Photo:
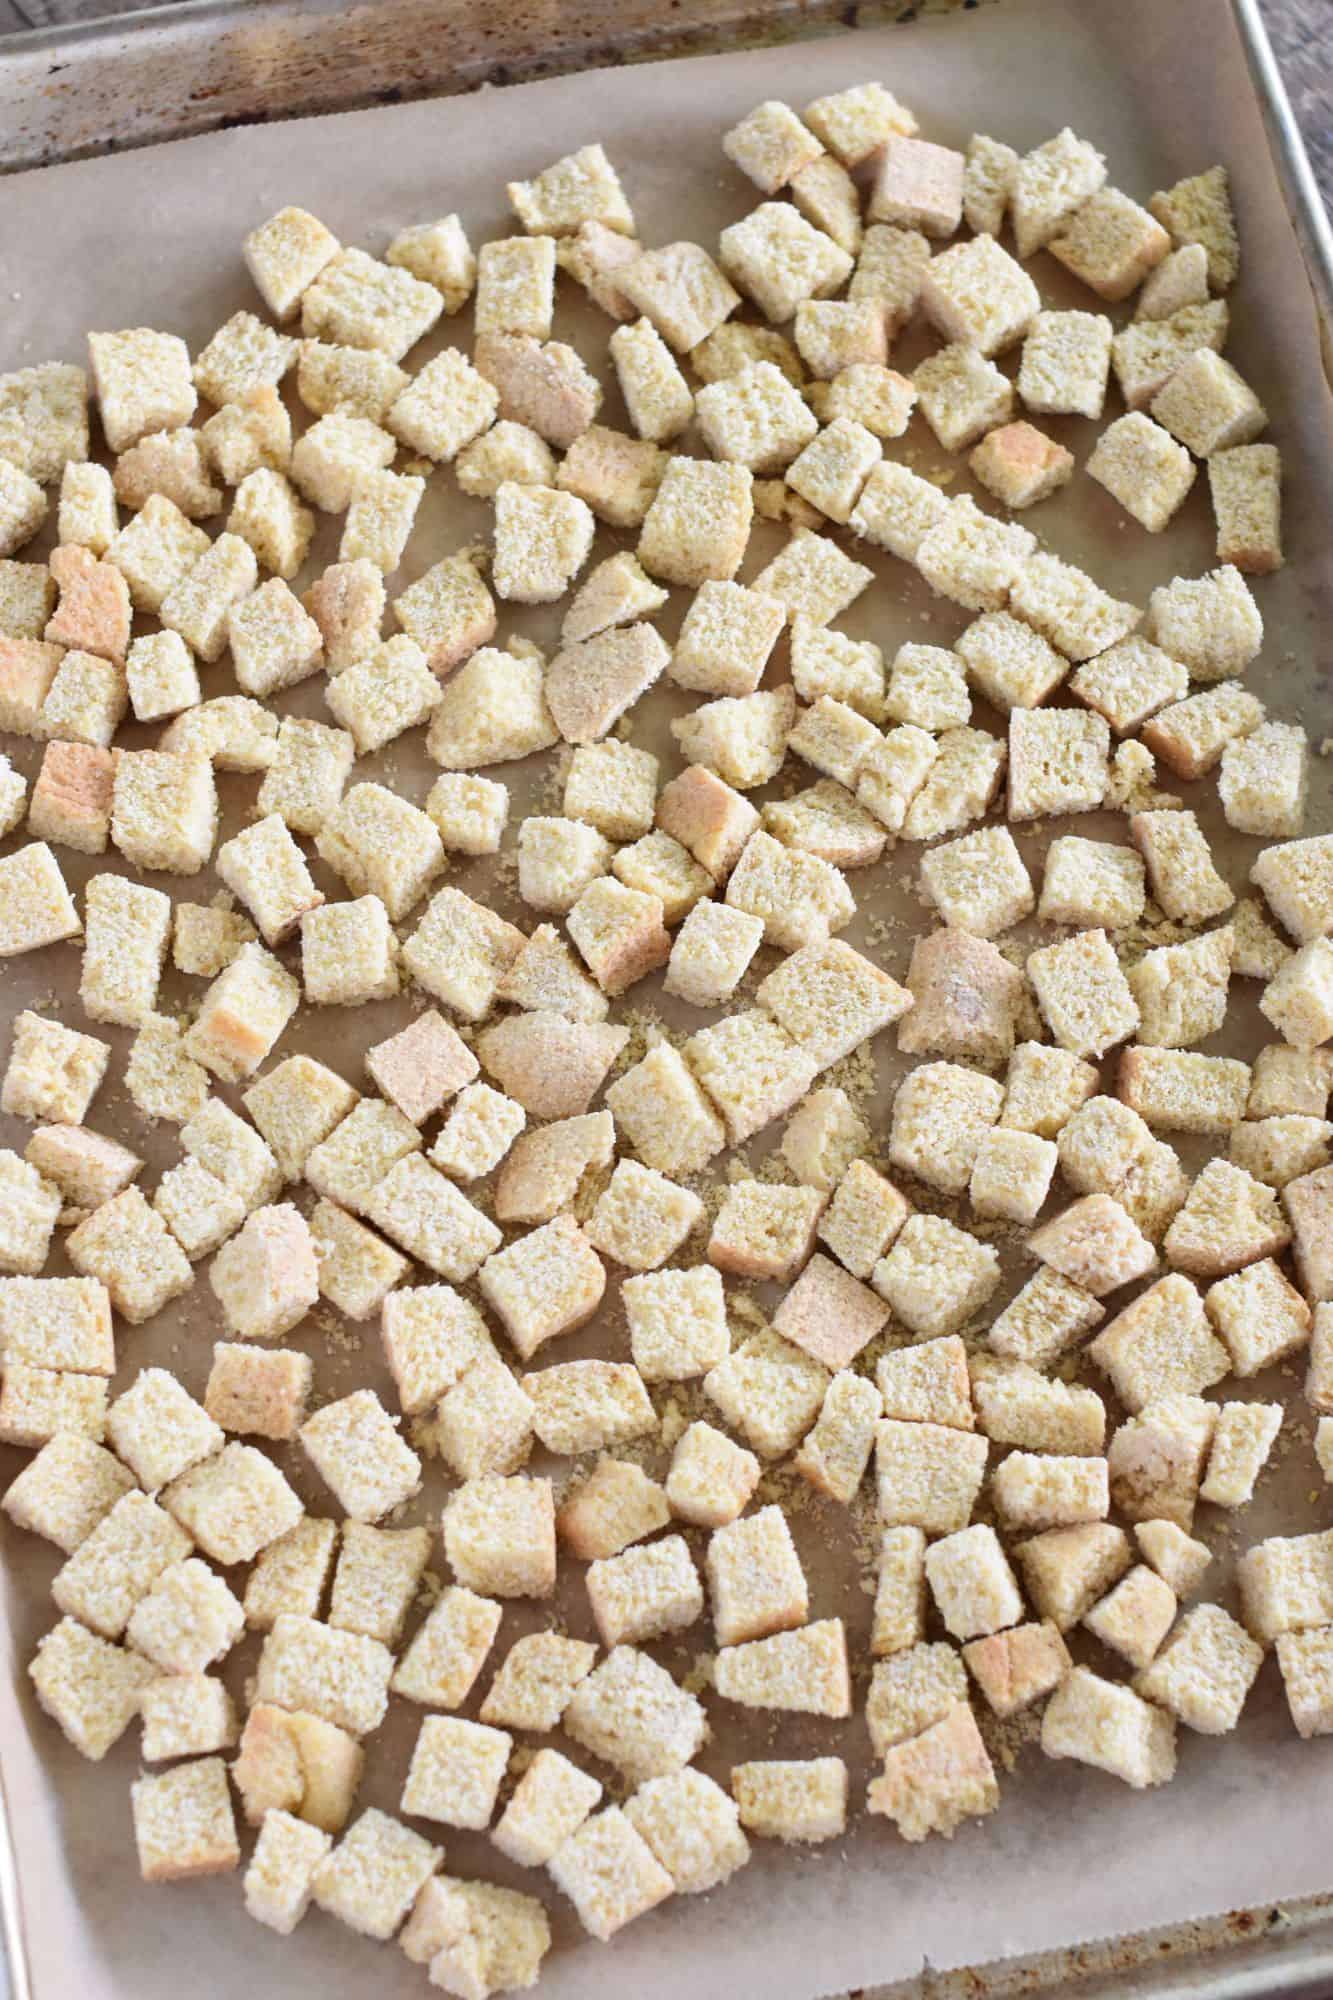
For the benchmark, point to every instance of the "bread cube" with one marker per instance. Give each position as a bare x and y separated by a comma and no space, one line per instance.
1211,623
940,1113
834,1455
1051,184
183,1823
642,1218
1198,210
1204,1671
897,509
1260,1316
67,1490
53,1072
85,701
1297,999
755,417
822,1139
769,1390
1065,363
765,1230
1096,1722
185,1715
615,1505
936,1779
288,1579
972,1584
962,395
1016,1668
187,1620
804,1672
142,382
257,1394
1246,487
829,1314
779,260
127,1245
928,1475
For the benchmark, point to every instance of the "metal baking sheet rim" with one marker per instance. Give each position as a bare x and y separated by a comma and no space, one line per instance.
1285,1953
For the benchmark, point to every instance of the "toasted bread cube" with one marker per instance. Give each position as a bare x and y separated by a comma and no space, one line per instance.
724,643
432,1336
708,816
897,509
833,335
1204,1671
32,1209
1011,1175
478,1132
1057,762
856,123
928,1475
779,260
862,1219
1177,1559
923,788
532,1687
477,1939
1257,950
711,1478
44,419
1161,1344
1141,467
1289,1081
456,1770
499,1537
1066,1570
1020,465
1280,1150
372,1878
1286,1585
1156,1459
1263,779
698,522
1110,243
1246,486
13,796
1297,999
1208,405
940,1113
28,589
267,514
84,1168
68,1490
1065,364
768,1390
962,395
557,860
234,1503
142,382
1016,1668
1211,623
918,186
553,1066
187,1620
354,1446
1037,1491
542,384
771,145
1241,1443
376,1578
1304,1660
85,701
222,1142
185,1715
1228,1220
978,883
1096,1722
1198,210
1085,997
162,677
798,897
266,1278
751,1068
272,643
935,1276
711,952
289,1579
357,1268
1297,880
341,1677
834,1455
1068,608
550,1802
631,1713
1095,1244
1180,280
589,686
609,1873
680,291
544,1284
356,301
642,1218
645,1593
257,1394
183,1823
692,1827
614,592
160,1431
1306,1201
125,943
822,1138
27,669
1100,1143
155,551
348,954
898,1621
936,1779
829,1314
974,1588
38,1404
755,417
1129,683
765,1230
118,1563
743,739
382,846
588,1405
834,739
832,470
285,256
616,1504
280,1877
71,797
755,1580
93,614
1260,1316
803,1671
127,1245
664,1114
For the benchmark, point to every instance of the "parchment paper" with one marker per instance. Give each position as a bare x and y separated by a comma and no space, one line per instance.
152,238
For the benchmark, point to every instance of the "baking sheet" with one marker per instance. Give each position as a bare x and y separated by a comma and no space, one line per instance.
151,238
